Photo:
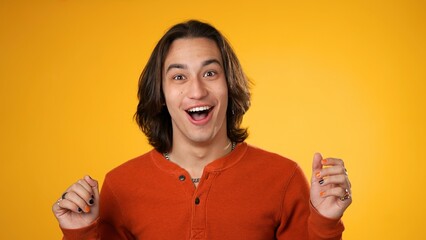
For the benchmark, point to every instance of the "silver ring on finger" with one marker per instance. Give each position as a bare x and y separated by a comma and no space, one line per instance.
346,196
59,201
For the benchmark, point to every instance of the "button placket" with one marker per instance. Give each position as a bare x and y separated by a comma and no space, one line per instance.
199,200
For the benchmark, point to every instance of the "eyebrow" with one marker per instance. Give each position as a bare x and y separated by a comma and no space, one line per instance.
184,66
211,61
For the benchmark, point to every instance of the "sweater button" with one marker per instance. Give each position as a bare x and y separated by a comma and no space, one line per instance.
182,177
197,201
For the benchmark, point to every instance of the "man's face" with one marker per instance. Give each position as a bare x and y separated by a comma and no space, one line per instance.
195,90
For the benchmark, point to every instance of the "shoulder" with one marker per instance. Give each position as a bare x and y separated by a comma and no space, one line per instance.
133,167
267,164
278,168
265,157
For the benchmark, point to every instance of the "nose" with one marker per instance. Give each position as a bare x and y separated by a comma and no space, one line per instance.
197,89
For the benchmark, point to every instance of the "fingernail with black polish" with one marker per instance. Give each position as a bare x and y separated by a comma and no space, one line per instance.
321,181
80,210
91,201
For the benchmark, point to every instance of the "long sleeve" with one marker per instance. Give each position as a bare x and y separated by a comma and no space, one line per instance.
111,218
299,218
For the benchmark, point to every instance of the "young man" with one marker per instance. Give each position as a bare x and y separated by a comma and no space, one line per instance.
201,180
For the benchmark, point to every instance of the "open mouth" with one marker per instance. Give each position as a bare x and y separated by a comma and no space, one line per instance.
199,113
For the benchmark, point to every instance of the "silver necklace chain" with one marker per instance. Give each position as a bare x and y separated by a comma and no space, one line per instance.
195,180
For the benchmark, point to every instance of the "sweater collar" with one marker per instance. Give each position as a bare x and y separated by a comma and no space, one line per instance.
219,164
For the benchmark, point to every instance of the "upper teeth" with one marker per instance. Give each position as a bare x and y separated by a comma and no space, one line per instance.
198,109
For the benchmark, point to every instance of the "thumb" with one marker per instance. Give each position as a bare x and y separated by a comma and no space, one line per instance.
316,166
94,184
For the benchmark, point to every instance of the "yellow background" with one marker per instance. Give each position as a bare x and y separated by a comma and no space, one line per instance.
343,78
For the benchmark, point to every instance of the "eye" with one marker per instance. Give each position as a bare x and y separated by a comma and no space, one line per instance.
209,74
178,77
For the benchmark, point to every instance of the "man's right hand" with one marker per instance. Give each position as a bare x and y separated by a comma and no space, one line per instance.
78,206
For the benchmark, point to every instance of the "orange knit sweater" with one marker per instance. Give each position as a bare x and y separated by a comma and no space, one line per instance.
248,194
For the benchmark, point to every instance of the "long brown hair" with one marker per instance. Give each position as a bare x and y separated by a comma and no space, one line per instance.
152,115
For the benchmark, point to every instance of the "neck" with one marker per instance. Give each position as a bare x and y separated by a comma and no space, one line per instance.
195,157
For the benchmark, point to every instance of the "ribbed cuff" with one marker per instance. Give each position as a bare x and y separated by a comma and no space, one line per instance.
86,233
323,227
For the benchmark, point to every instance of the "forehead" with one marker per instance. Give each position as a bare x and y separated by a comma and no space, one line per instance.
192,49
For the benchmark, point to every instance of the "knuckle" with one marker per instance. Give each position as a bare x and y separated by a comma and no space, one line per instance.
337,179
341,179
73,187
70,195
75,198
83,183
